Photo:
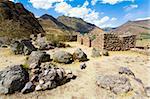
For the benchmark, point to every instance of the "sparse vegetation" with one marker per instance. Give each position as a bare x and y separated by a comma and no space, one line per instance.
11,29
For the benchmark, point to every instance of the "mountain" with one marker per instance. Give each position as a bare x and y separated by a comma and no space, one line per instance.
52,26
135,27
16,21
78,24
108,29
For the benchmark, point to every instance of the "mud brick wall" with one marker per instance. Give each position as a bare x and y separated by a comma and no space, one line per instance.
80,38
86,41
98,42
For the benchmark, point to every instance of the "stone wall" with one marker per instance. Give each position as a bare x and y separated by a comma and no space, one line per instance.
110,42
128,41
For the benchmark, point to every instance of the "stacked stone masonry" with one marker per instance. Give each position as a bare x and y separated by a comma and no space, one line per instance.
108,41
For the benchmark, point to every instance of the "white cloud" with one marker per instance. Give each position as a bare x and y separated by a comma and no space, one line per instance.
112,2
83,12
104,19
44,4
93,2
142,18
130,7
113,19
80,11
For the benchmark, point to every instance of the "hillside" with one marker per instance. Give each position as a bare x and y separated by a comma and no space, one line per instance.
135,27
78,24
52,26
16,21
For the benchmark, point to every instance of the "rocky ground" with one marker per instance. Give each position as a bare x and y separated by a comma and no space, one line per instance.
84,86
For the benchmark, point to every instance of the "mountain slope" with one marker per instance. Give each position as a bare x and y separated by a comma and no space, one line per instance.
134,27
52,26
19,20
78,24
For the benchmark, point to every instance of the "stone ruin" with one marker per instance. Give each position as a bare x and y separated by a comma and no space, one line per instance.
108,41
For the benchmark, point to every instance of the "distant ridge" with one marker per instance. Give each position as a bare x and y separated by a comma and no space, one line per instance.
135,27
78,24
51,25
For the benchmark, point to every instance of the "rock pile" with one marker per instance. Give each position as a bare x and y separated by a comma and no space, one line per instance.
116,84
47,76
120,84
41,75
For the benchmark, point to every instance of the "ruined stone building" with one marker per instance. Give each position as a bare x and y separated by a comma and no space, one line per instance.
108,41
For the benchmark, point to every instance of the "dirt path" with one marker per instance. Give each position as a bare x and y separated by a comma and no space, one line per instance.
7,58
84,87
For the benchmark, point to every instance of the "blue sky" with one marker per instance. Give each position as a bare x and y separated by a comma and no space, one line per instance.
103,13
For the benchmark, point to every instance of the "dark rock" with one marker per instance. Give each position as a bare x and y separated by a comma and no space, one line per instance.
82,66
46,46
17,47
126,70
79,55
105,53
4,46
24,47
29,87
62,57
28,47
12,79
34,78
95,52
38,57
116,84
147,91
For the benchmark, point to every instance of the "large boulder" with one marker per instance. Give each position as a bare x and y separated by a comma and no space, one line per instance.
12,79
28,47
22,47
115,83
62,57
79,55
17,47
38,57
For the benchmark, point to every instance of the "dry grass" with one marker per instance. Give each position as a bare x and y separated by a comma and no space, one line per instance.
143,42
84,86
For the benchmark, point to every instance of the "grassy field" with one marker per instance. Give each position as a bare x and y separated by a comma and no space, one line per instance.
143,42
